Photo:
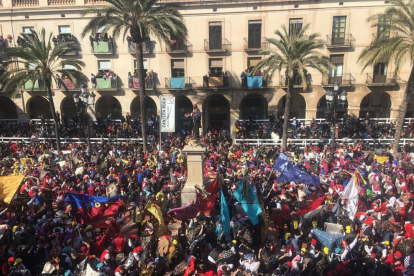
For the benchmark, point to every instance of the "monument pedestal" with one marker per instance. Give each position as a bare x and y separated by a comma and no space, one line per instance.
194,151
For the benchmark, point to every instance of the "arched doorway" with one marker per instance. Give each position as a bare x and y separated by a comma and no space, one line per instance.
376,104
253,107
106,105
68,107
150,106
341,110
183,106
298,106
8,109
39,106
216,111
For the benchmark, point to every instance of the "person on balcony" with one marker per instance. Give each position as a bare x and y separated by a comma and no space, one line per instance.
243,77
130,80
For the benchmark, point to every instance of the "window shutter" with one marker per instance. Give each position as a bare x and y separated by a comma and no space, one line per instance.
28,30
68,67
101,29
216,63
145,64
217,23
337,59
178,64
255,22
32,66
253,62
104,65
64,30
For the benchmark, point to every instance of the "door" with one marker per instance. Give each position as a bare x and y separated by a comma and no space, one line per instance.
380,73
215,35
255,34
338,30
335,74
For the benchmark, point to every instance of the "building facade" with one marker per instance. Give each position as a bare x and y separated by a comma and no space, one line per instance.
224,40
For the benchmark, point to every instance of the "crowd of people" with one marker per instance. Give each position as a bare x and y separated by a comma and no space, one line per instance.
64,38
303,229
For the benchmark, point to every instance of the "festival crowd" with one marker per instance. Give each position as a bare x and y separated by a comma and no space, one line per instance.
301,227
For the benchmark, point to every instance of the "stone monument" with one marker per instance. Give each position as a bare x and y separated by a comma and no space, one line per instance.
194,151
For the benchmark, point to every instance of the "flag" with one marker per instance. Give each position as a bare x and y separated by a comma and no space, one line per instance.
292,173
248,199
206,204
185,212
156,211
87,209
8,186
310,207
351,193
225,215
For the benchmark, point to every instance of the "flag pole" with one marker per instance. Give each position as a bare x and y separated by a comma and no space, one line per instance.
159,125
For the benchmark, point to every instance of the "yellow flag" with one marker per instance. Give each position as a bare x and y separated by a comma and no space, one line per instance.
381,159
156,211
26,161
8,186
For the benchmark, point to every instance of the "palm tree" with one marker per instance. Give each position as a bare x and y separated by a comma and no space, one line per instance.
294,53
397,20
141,19
37,60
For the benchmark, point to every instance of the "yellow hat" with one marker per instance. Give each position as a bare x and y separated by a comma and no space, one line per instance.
15,228
295,224
234,241
314,223
98,230
89,227
287,235
303,250
238,232
365,239
175,242
18,261
348,229
386,242
326,250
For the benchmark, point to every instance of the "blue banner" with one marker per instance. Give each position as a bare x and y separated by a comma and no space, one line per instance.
225,215
248,199
254,81
292,173
177,82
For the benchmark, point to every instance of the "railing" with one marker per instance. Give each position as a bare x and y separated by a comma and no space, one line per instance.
382,80
108,84
28,140
253,82
25,3
222,45
39,85
178,47
250,45
344,80
181,83
61,2
284,82
102,47
99,2
347,41
146,47
216,82
134,83
70,53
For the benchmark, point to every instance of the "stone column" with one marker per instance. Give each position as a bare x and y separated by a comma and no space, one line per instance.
194,152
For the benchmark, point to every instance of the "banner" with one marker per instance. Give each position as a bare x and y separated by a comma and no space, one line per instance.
248,200
351,193
254,81
178,83
167,114
69,84
292,173
381,159
185,213
225,215
8,186
101,47
103,83
156,211
215,81
29,85
207,203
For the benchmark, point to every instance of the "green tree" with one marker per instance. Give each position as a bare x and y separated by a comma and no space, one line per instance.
394,44
295,53
38,60
141,19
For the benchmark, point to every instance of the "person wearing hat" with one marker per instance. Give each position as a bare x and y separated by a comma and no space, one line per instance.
6,267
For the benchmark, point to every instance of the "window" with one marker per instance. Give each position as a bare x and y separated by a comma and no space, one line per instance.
177,68
145,67
32,66
338,29
214,29
295,25
382,28
104,65
216,67
338,61
28,30
100,30
380,73
253,61
64,29
255,34
68,67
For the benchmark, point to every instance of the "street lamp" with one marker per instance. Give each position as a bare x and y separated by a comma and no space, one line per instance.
82,103
332,99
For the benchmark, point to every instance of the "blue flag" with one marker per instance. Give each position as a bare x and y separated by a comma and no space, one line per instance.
248,200
292,173
225,215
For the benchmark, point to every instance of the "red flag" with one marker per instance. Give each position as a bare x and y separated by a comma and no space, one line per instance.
310,207
206,204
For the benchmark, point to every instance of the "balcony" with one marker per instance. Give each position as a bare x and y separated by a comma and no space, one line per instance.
179,48
39,85
25,3
102,47
61,2
146,47
181,83
134,83
216,82
253,82
284,82
254,46
382,80
347,41
63,42
222,46
108,84
95,2
69,85
346,80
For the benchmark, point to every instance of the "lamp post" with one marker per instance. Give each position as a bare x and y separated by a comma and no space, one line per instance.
82,103
332,100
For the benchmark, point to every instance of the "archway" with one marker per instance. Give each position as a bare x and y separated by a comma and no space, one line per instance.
376,104
298,106
39,106
150,106
68,107
106,105
216,111
183,106
8,109
410,108
341,110
253,107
